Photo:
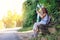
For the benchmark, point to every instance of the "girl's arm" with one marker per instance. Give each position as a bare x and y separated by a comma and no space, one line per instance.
43,15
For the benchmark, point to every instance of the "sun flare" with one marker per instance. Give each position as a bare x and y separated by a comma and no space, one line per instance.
10,13
12,5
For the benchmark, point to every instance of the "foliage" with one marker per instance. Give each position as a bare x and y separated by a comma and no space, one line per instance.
12,20
1,25
29,14
25,29
29,7
52,7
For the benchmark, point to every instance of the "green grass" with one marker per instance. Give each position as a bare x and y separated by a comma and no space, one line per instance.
25,29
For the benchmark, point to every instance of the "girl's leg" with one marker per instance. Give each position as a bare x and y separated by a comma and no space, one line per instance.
35,29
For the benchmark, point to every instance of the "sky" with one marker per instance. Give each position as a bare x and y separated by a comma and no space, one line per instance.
13,5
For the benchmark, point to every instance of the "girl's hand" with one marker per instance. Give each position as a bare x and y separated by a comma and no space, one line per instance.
37,12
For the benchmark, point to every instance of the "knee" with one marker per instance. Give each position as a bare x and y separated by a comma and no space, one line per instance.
35,23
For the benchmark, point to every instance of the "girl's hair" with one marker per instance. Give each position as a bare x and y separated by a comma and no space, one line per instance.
44,10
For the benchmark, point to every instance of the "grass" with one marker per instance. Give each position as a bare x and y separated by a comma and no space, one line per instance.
53,36
48,37
25,29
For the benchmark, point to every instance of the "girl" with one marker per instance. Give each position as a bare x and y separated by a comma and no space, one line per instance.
45,19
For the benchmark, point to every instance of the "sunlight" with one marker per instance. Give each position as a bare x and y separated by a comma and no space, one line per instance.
13,5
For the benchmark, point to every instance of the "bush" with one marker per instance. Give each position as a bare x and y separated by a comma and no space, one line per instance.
29,14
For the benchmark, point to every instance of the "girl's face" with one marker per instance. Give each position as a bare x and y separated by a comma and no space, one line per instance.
44,10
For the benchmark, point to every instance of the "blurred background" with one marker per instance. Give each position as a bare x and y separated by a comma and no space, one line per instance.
11,13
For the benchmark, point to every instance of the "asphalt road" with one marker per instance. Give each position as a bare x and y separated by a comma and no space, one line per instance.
9,36
16,35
